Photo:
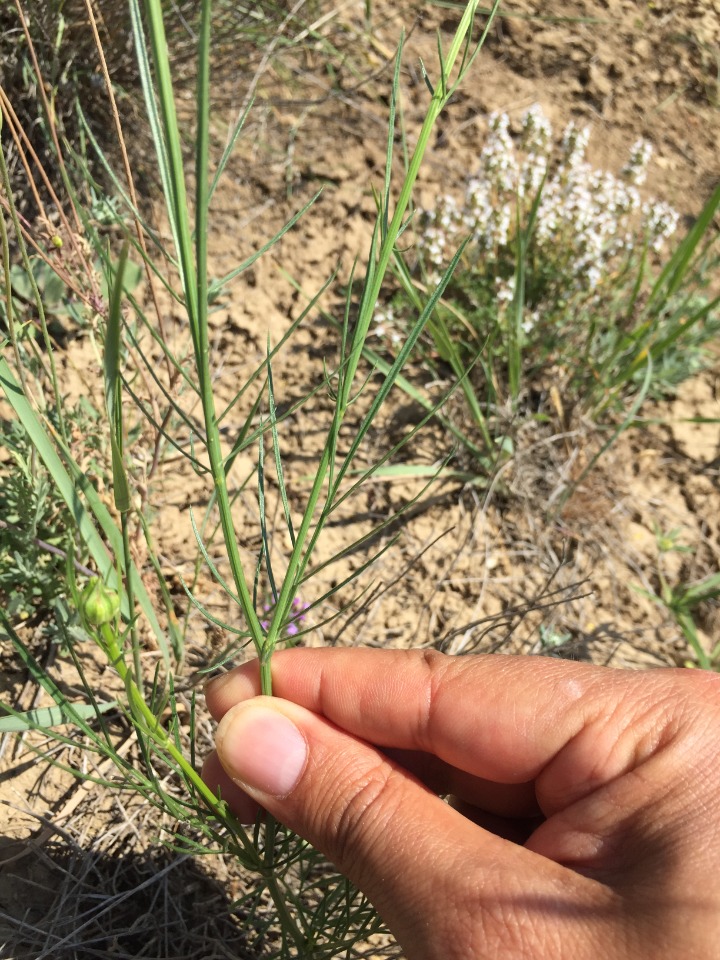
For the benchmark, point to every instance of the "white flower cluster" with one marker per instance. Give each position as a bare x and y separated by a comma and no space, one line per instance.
636,168
385,325
586,217
661,221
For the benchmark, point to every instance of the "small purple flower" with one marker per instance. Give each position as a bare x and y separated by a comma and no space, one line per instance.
297,616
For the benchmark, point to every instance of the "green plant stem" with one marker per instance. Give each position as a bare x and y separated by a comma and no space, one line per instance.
193,271
439,100
202,344
75,489
437,104
149,724
134,641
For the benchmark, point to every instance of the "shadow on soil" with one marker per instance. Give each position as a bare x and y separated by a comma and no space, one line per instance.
60,902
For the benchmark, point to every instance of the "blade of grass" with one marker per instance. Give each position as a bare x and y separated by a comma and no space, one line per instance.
674,271
280,475
523,237
44,718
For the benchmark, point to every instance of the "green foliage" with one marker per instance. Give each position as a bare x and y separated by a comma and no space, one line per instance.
315,913
565,280
170,389
64,309
681,600
34,526
71,92
550,638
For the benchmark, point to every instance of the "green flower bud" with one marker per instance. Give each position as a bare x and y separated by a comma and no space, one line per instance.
99,603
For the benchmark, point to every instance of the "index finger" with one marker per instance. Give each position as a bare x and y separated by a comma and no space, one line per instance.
502,718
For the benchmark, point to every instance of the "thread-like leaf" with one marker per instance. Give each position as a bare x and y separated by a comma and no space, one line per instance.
113,386
276,450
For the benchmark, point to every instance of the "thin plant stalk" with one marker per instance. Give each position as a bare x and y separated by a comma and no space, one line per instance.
439,99
193,273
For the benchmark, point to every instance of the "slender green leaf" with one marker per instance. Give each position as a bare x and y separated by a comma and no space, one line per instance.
399,363
209,561
312,302
394,94
113,386
223,281
675,270
230,146
153,114
48,717
448,350
263,520
211,617
280,475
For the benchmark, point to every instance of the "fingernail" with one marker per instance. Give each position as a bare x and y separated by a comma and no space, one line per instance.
262,749
214,683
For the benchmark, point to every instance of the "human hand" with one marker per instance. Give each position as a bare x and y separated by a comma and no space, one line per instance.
586,815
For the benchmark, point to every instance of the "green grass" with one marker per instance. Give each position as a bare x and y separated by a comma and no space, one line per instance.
54,38
571,285
96,263
681,599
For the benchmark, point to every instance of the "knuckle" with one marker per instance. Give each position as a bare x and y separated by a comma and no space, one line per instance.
360,805
436,666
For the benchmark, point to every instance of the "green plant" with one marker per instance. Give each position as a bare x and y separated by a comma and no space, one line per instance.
316,915
32,528
564,279
35,528
682,599
550,638
65,311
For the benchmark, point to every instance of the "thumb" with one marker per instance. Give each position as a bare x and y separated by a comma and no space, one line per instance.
420,862
379,826
343,795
